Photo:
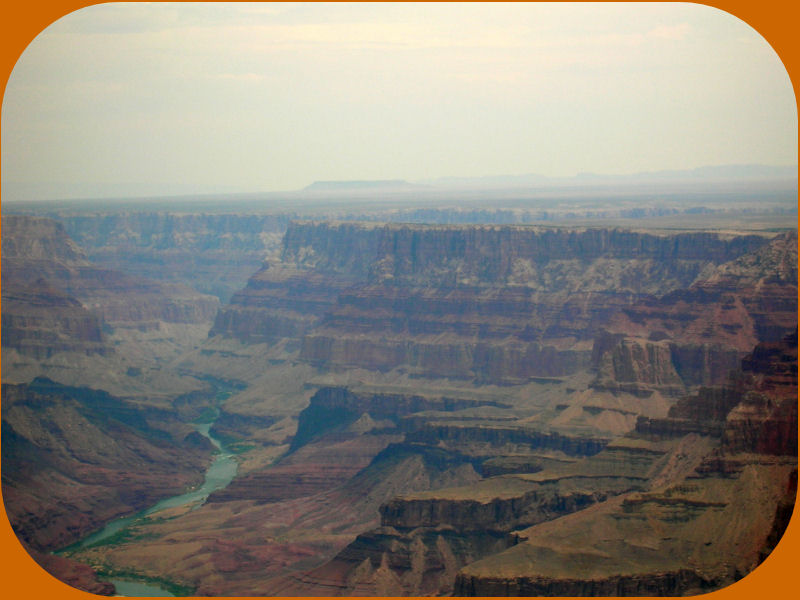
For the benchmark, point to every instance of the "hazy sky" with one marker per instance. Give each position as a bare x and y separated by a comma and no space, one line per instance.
255,97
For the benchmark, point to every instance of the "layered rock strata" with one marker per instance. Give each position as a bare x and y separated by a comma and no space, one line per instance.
493,304
39,250
698,335
426,537
212,253
39,321
585,524
335,408
340,433
422,399
674,536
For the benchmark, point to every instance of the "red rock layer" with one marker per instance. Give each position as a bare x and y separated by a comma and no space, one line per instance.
279,301
701,333
39,321
491,303
765,421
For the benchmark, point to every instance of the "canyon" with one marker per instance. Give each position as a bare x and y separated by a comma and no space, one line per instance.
431,408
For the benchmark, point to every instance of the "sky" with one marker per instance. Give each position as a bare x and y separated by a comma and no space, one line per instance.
163,98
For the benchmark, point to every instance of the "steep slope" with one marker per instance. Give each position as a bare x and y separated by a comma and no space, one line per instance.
36,248
39,320
212,253
416,398
698,335
287,297
686,532
73,458
513,326
67,319
489,303
506,304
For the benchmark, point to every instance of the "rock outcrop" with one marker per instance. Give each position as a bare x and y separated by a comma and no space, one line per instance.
335,408
698,335
39,320
279,301
674,535
425,409
65,318
765,421
569,334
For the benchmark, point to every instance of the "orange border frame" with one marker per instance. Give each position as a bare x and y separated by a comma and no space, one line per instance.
775,20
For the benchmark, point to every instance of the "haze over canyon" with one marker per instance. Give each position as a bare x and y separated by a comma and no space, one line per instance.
471,388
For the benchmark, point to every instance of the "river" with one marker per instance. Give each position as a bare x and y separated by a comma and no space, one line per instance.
219,474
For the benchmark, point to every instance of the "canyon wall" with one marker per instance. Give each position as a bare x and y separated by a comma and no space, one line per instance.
68,319
212,253
493,304
414,405
700,333
38,249
39,321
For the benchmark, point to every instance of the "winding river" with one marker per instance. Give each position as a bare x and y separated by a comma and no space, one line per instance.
219,474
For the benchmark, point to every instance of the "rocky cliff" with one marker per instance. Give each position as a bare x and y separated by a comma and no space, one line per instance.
39,318
211,252
38,249
425,409
335,408
39,321
279,301
698,335
343,431
585,526
65,318
502,304
749,460
425,537
765,421
490,303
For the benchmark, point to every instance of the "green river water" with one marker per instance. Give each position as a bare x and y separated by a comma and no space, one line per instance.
219,474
